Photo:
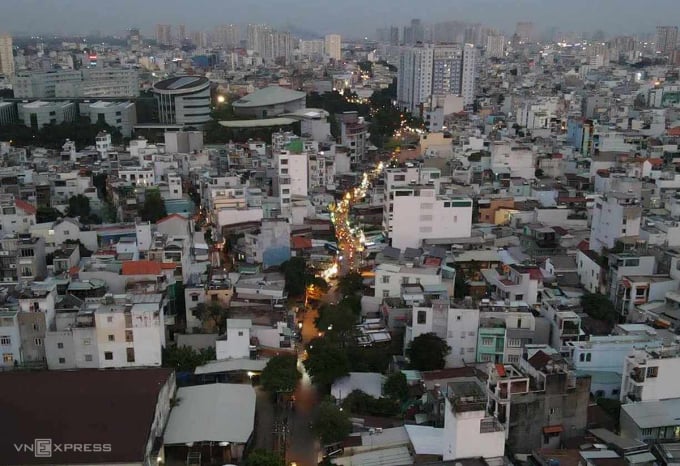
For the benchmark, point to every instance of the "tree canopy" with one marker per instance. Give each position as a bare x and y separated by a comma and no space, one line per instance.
213,316
337,321
326,362
351,283
396,387
364,404
79,206
427,352
261,457
599,307
154,208
331,424
280,374
185,358
47,214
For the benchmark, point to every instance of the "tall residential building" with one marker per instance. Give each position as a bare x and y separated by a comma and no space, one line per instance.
228,35
6,55
312,48
666,39
334,46
181,34
278,47
428,70
524,31
164,34
257,37
394,35
495,46
467,80
134,40
414,33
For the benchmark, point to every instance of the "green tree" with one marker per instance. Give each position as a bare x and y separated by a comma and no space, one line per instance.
396,387
47,214
154,207
599,307
280,374
326,362
351,283
295,272
364,404
78,206
427,352
331,424
262,457
213,316
338,322
185,358
352,302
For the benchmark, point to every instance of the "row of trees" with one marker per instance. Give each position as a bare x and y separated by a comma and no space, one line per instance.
53,136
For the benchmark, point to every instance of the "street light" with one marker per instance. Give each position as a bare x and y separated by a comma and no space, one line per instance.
220,99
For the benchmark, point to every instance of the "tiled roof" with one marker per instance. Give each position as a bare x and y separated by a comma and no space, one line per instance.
300,242
141,268
170,217
25,206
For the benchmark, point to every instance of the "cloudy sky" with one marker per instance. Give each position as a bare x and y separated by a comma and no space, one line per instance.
354,18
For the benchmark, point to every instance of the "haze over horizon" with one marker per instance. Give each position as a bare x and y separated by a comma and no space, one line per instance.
351,18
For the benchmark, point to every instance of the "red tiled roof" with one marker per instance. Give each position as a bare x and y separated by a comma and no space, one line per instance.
500,368
539,360
656,162
170,217
168,265
583,245
604,173
25,206
141,268
300,242
535,274
560,231
674,131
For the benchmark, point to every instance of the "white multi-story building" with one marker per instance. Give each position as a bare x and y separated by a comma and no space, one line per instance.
469,430
6,56
509,159
312,48
419,213
354,135
121,331
615,216
17,216
458,326
333,46
495,46
88,82
389,278
10,339
39,114
183,100
119,115
414,84
651,374
293,178
235,343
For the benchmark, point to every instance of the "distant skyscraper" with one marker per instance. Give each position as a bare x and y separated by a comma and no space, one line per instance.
134,40
525,31
334,46
418,31
256,37
6,55
427,71
394,35
666,39
181,33
495,46
164,34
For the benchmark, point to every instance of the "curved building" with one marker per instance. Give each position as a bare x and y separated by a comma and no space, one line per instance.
183,100
270,102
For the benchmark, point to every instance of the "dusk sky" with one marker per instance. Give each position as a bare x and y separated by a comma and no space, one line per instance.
353,18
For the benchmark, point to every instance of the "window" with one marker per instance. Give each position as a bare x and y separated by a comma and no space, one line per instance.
470,350
5,340
462,351
7,358
214,297
130,353
513,358
554,411
653,371
588,355
462,334
519,297
108,355
457,317
128,336
422,317
87,342
60,345
582,357
240,333
109,319
38,341
284,161
386,279
284,171
514,343
112,338
386,293
88,357
486,341
62,360
399,177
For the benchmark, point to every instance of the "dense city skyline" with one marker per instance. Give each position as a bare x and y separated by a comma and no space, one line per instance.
39,16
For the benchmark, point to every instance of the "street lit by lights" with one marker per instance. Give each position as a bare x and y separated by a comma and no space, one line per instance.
251,374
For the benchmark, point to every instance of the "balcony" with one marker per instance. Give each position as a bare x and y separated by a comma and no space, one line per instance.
570,328
638,375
